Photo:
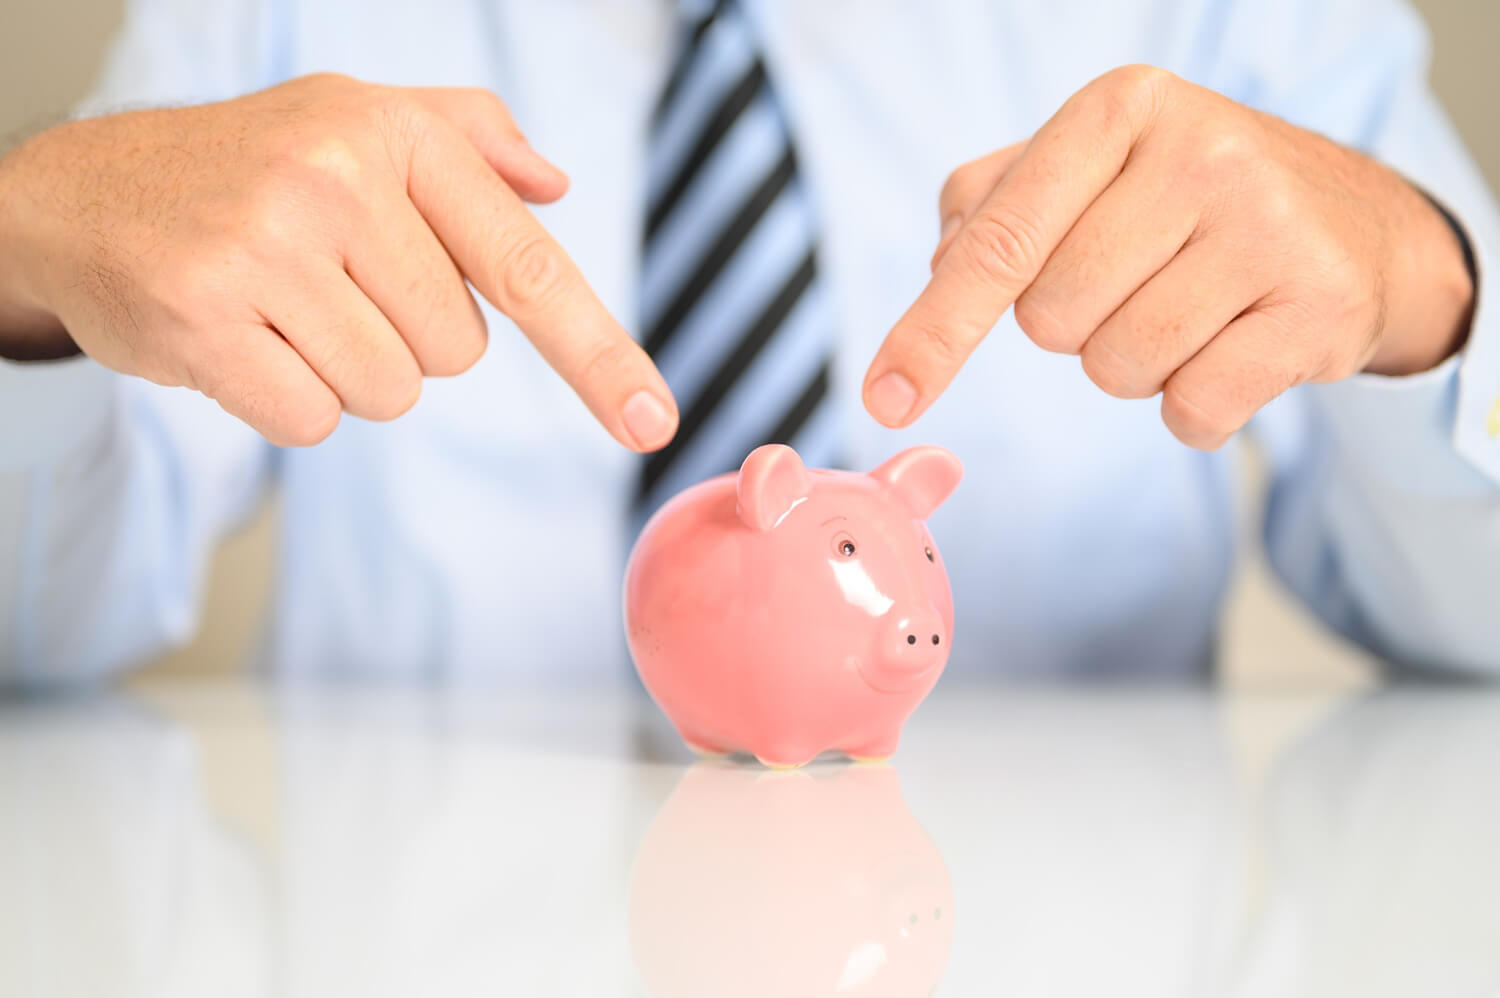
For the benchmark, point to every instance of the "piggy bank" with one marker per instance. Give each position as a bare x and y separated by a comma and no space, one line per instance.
752,884
787,612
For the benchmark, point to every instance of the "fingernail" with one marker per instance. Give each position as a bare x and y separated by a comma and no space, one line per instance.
649,422
892,398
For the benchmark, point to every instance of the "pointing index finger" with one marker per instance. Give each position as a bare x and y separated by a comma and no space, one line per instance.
515,263
1004,244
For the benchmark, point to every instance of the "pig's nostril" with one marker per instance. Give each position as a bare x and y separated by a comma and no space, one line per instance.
934,639
911,639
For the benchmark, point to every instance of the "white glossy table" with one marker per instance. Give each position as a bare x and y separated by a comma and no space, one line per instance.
240,839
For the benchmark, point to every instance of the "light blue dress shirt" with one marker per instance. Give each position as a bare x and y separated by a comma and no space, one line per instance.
483,534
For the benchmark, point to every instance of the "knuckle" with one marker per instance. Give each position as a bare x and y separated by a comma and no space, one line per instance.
286,417
270,232
1352,290
1113,372
494,108
308,421
327,80
606,363
394,101
397,395
380,385
1193,421
940,344
1225,150
1002,247
951,187
1044,327
460,351
449,335
1127,95
1278,209
466,352
533,276
399,118
323,162
1138,79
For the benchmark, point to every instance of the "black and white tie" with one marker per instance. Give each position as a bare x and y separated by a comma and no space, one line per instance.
732,307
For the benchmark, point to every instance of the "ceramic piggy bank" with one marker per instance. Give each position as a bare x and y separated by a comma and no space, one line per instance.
786,612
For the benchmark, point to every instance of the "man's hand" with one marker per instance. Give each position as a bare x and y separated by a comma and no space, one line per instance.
304,250
1183,244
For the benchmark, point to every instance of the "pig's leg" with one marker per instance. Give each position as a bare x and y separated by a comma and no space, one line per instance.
875,750
705,748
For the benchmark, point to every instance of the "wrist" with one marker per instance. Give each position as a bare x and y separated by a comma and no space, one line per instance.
1430,292
29,326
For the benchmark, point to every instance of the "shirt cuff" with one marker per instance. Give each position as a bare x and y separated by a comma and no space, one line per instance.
1476,428
49,408
1437,432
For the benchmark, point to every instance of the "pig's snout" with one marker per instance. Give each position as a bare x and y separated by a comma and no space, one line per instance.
921,634
913,645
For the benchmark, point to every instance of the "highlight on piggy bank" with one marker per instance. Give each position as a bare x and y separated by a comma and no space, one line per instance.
819,881
787,612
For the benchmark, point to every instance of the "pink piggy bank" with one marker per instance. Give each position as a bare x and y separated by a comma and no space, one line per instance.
787,612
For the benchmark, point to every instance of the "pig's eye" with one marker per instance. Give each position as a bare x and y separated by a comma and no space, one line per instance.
929,553
843,545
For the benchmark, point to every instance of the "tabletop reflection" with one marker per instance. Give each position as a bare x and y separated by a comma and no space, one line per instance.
812,882
246,840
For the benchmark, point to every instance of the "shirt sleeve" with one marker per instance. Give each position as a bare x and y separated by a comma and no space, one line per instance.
1384,513
114,491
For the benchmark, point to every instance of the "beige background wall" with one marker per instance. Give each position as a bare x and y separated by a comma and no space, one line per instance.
50,51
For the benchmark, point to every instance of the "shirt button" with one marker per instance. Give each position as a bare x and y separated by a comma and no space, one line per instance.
1493,423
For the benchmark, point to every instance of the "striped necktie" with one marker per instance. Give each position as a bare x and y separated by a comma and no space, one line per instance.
732,307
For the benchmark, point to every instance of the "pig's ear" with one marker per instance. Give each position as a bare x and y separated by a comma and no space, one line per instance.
772,481
921,477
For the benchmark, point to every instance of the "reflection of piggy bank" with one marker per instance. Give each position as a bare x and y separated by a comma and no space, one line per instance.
753,883
786,612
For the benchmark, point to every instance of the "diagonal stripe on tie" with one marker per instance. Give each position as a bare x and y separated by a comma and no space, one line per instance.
719,122
801,410
685,66
746,350
720,253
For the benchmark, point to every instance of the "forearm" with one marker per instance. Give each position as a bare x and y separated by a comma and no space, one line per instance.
29,328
